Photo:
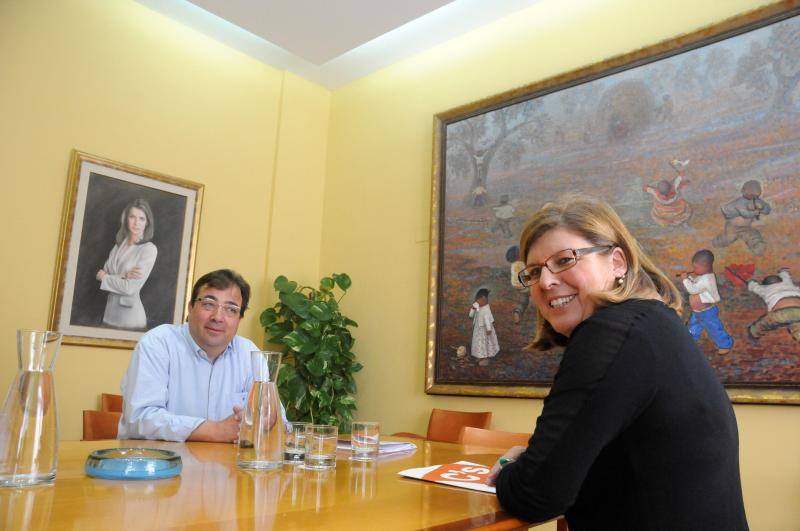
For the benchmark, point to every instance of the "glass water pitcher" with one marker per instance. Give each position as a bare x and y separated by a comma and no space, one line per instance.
28,421
262,429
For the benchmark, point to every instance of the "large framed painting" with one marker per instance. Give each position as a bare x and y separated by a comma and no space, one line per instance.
126,256
695,142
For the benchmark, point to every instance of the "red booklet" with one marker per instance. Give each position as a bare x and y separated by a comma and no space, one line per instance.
462,474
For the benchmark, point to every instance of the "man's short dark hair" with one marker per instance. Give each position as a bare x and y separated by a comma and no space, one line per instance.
703,256
223,279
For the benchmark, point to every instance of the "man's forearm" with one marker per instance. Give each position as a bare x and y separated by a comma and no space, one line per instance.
207,431
226,430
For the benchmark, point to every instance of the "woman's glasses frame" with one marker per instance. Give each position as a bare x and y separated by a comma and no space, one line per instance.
532,273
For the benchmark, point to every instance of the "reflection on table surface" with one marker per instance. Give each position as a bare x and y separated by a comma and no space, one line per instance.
212,492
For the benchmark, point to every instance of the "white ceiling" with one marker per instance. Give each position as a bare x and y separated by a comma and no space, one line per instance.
333,42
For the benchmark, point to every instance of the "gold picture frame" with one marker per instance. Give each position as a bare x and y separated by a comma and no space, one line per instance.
144,283
611,112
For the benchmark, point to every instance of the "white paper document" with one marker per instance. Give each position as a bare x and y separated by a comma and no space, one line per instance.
462,474
384,448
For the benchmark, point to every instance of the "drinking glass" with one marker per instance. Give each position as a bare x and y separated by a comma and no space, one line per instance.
365,441
321,446
294,450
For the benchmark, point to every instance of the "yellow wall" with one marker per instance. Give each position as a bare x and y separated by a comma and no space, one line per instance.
117,80
377,213
296,212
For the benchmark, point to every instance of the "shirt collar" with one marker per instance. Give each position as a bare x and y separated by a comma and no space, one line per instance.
196,350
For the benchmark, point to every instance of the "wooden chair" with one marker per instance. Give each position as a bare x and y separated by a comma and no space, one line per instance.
445,425
492,438
109,402
98,425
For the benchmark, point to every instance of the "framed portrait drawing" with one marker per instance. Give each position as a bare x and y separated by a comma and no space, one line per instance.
696,144
126,255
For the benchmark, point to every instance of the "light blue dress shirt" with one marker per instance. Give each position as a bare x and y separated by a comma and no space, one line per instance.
171,386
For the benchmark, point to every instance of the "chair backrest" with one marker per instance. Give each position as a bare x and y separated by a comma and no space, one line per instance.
109,402
445,425
99,425
493,438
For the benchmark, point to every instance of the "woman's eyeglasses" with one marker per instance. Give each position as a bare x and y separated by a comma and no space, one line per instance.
557,263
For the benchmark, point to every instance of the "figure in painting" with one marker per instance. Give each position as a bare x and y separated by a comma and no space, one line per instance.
739,217
521,292
669,207
128,266
782,297
503,214
484,338
664,111
701,284
479,196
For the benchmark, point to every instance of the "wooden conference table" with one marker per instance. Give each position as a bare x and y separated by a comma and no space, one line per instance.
211,493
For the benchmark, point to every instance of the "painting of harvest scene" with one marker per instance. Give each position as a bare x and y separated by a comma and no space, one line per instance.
697,151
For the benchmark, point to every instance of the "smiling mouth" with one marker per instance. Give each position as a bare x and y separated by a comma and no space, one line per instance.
561,301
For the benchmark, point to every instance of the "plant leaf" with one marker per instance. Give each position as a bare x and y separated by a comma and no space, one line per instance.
346,400
268,317
343,281
320,310
297,303
326,284
284,285
312,326
296,340
316,366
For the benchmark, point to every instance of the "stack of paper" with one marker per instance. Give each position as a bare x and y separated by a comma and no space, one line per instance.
384,448
462,474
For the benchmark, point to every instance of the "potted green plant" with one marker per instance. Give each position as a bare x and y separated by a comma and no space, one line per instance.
316,382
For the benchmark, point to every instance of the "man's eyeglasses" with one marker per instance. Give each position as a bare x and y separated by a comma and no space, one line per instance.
210,305
557,263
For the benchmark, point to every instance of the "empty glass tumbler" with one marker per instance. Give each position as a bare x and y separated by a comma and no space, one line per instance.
261,431
28,421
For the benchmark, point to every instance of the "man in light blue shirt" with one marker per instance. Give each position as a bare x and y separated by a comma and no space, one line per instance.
189,382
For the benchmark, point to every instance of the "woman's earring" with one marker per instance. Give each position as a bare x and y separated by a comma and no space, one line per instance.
621,280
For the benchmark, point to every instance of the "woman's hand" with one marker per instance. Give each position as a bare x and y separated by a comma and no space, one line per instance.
511,454
100,275
134,273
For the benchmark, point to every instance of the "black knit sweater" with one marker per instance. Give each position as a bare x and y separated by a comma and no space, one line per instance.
637,433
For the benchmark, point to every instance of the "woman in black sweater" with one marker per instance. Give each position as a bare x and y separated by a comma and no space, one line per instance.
637,432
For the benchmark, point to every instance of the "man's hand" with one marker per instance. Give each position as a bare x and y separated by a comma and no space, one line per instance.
512,454
100,274
225,430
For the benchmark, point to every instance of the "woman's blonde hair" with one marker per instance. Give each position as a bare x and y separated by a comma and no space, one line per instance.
599,224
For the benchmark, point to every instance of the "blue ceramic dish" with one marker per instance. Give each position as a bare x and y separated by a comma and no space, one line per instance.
133,463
